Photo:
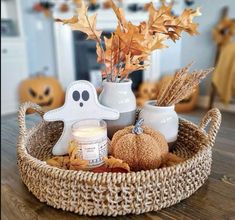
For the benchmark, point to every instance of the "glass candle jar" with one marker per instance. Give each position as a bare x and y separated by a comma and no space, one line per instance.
91,139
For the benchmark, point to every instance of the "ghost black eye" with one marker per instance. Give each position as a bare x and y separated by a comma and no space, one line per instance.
76,96
85,95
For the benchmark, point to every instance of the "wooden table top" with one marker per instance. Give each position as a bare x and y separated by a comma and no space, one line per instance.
215,200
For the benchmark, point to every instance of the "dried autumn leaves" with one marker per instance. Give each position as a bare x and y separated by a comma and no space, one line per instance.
130,45
73,162
70,161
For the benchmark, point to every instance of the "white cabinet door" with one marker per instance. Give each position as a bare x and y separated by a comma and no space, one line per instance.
13,71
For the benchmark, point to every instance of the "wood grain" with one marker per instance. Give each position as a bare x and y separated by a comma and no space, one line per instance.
215,200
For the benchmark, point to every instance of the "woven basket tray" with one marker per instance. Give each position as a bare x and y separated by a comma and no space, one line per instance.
88,193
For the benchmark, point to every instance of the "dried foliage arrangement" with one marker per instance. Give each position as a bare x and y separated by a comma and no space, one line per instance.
70,161
73,162
130,45
181,86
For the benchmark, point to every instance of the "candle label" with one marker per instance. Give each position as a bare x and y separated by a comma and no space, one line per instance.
93,152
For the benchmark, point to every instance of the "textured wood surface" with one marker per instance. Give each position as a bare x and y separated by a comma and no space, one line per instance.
215,200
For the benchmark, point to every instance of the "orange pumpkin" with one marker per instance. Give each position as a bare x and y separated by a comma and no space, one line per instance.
43,90
147,91
141,147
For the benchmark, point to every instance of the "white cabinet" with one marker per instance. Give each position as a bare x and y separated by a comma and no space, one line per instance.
14,67
13,70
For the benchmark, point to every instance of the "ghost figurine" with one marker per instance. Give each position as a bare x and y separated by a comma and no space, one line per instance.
80,103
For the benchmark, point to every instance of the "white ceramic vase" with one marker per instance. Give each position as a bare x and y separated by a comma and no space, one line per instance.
162,119
119,96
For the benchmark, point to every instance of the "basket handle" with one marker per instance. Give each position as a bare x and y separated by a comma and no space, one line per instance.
22,113
213,116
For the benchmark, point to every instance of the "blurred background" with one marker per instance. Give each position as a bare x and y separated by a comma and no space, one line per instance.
40,57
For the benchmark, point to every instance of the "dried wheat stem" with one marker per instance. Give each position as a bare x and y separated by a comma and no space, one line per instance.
181,86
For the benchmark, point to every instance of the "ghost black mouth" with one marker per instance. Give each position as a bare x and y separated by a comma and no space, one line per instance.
46,103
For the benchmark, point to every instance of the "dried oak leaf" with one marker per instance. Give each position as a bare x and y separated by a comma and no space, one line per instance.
170,160
66,162
184,22
101,169
112,163
59,161
55,162
152,40
162,21
158,17
132,64
86,24
72,20
119,14
78,164
77,2
72,150
111,51
112,55
131,40
82,22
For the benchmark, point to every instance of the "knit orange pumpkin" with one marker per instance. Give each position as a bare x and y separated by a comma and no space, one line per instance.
141,147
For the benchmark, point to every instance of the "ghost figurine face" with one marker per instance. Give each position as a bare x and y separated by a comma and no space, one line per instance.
81,102
81,95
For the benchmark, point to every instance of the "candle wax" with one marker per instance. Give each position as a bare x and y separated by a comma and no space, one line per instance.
89,132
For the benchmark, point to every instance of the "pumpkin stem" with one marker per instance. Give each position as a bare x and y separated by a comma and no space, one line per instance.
137,128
